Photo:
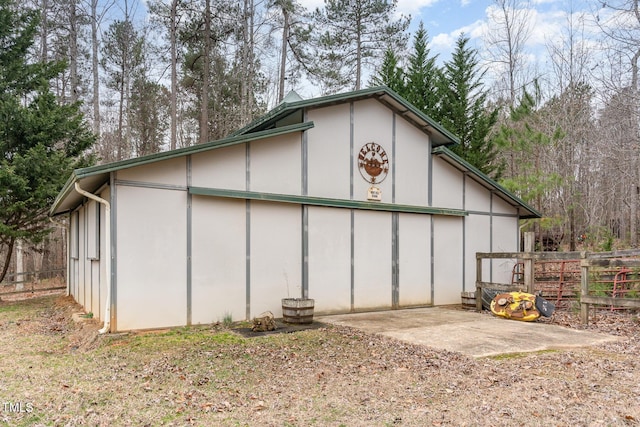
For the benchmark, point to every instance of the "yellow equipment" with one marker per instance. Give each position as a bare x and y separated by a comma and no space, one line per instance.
516,306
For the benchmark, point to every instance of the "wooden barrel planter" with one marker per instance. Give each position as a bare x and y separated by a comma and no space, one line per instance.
468,300
297,310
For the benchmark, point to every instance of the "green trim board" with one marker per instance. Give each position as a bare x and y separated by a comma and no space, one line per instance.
382,93
100,173
322,201
483,179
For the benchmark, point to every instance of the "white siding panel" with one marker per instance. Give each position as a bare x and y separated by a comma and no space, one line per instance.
477,198
500,206
152,248
372,259
82,258
95,288
276,260
275,164
414,242
478,239
218,259
328,150
505,233
373,122
330,259
447,258
168,172
447,185
412,164
220,168
104,254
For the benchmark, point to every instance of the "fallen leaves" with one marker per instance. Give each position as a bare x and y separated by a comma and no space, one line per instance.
327,376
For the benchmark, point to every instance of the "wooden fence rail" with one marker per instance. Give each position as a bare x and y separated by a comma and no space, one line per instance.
589,263
34,281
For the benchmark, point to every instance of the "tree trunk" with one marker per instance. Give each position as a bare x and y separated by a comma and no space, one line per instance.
19,264
94,68
44,31
73,52
174,75
7,258
633,221
204,107
283,57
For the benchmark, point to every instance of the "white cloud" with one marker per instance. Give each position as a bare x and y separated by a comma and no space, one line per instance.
412,7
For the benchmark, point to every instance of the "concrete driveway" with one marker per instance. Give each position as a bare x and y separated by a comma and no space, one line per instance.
467,332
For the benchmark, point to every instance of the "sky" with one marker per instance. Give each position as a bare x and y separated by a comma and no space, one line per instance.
444,20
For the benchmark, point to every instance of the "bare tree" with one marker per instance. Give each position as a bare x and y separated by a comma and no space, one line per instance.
570,113
508,31
620,22
206,74
173,32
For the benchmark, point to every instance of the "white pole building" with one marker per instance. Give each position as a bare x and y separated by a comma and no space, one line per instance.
353,200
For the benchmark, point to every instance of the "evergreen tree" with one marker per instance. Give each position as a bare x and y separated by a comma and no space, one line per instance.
390,74
122,60
41,141
423,76
522,139
463,110
356,33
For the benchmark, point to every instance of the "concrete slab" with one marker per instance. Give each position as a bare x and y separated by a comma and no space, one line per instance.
467,332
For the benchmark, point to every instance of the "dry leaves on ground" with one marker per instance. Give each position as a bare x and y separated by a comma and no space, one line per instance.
330,376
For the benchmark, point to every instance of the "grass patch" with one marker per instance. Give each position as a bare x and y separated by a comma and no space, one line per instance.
520,355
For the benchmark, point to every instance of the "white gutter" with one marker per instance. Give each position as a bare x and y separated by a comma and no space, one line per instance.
107,238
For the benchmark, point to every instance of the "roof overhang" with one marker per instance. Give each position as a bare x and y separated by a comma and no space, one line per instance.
524,210
93,178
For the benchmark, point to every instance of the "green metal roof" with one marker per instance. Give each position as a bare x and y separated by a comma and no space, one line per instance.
459,163
94,177
287,118
439,135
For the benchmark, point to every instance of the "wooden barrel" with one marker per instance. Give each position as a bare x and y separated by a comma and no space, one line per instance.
297,310
468,300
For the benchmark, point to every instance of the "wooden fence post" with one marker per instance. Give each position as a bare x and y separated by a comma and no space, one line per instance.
529,247
584,288
478,287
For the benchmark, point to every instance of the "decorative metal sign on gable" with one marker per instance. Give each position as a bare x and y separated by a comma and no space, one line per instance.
373,164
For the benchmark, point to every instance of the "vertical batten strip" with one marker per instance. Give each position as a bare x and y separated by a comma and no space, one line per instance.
113,252
189,244
351,169
395,260
248,233
305,211
395,228
431,220
464,233
491,235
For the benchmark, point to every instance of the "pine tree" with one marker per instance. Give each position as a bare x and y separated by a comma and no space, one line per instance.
423,76
356,33
41,141
522,139
390,73
464,112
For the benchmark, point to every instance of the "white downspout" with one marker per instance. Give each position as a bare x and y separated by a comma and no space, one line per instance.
107,238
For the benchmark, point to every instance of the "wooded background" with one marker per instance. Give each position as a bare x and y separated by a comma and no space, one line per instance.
564,136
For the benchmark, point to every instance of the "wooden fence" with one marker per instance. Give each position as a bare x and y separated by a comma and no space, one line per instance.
591,264
34,281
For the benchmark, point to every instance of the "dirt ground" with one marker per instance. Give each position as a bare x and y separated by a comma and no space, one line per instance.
55,371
